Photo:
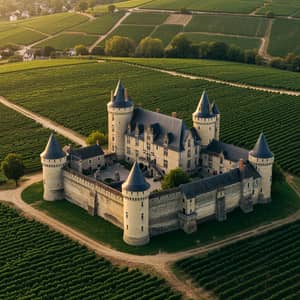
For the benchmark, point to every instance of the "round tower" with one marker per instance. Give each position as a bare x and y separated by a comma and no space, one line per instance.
204,121
216,112
262,159
120,111
53,159
135,191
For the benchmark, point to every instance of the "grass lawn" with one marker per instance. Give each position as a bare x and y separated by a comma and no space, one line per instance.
146,18
167,32
285,202
100,25
65,40
240,25
285,37
244,43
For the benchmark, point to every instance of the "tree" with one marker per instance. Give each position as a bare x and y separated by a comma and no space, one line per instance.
277,173
96,137
13,167
249,56
149,47
47,51
217,50
82,6
174,178
92,4
119,46
81,50
111,8
235,53
270,14
99,50
181,46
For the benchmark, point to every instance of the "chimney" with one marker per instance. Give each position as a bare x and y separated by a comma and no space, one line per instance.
174,114
158,110
125,94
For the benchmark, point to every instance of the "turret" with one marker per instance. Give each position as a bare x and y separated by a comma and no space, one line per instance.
205,122
53,159
262,159
120,110
216,113
135,191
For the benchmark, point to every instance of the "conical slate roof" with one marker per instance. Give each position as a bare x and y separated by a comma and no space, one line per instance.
53,149
261,148
119,97
203,108
215,109
135,181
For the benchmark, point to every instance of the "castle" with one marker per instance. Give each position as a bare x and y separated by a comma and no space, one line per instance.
228,176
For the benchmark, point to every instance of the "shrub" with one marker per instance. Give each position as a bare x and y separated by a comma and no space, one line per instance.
149,47
119,46
174,178
81,50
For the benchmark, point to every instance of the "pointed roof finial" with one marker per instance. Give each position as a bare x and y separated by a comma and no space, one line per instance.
203,108
53,149
261,148
135,181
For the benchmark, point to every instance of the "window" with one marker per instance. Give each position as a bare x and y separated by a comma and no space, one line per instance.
221,160
165,152
90,161
128,150
148,146
112,128
142,204
142,228
188,164
189,143
112,117
126,214
189,153
142,216
136,142
127,227
128,139
136,153
113,138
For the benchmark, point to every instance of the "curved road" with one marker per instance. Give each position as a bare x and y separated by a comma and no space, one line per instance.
209,79
159,262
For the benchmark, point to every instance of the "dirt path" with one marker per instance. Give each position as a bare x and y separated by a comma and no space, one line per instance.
103,37
91,17
45,122
160,262
209,79
37,31
224,34
263,49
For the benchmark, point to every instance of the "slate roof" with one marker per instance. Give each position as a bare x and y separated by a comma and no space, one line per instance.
135,181
215,109
231,152
87,152
119,100
203,108
53,149
162,125
202,186
261,148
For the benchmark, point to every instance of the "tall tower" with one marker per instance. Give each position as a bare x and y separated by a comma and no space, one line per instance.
216,112
205,121
120,110
136,193
262,159
53,159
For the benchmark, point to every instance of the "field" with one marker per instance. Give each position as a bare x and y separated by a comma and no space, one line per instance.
145,18
65,41
37,263
282,8
244,112
229,71
242,42
285,202
135,32
264,267
239,25
121,5
285,37
166,33
21,135
100,25
20,36
245,6
55,23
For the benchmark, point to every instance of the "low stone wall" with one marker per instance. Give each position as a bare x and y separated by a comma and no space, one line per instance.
95,197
